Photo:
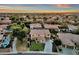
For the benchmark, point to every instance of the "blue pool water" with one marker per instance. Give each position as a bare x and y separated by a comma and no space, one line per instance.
5,42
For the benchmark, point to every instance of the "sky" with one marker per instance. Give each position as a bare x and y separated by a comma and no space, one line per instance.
46,7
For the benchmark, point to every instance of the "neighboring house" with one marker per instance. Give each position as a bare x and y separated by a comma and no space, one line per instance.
5,21
39,20
50,20
35,26
3,26
40,34
69,39
50,26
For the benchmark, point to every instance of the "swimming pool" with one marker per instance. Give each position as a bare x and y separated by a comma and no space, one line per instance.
5,42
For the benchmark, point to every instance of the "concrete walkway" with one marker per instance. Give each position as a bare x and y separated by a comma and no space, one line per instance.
48,46
14,46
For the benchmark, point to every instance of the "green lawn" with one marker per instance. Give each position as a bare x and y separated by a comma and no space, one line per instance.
36,46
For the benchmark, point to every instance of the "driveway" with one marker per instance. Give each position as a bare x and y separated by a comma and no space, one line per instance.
48,46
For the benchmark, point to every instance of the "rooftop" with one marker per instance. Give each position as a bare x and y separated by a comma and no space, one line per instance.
37,25
3,26
72,27
6,21
69,39
50,26
39,33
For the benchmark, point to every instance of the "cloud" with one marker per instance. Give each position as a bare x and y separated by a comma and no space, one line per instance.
63,5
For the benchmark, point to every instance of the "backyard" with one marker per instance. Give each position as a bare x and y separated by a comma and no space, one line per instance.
37,46
21,46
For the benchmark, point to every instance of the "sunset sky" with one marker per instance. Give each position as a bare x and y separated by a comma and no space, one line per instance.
42,7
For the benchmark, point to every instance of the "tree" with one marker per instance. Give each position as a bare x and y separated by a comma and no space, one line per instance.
26,29
57,42
34,19
15,26
76,31
28,16
2,18
18,22
45,18
19,31
22,25
13,18
21,19
8,27
53,31
16,31
22,34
